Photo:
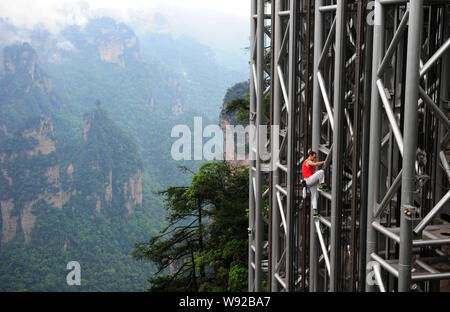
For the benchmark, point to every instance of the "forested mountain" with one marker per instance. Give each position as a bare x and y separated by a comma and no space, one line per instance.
85,139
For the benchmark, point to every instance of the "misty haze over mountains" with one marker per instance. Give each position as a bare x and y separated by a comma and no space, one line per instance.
226,33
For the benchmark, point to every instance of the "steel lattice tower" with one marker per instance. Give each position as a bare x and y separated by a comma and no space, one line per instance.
366,84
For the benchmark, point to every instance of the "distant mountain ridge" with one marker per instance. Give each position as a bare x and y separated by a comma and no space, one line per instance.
200,81
25,89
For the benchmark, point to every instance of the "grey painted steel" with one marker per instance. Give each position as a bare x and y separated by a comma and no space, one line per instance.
390,193
328,42
276,175
432,214
328,8
251,254
338,145
326,101
306,78
428,277
431,242
375,135
377,226
322,245
257,119
390,113
387,266
325,222
410,140
365,157
426,266
390,153
259,122
281,213
445,164
392,47
286,115
426,67
291,146
316,126
378,277
437,111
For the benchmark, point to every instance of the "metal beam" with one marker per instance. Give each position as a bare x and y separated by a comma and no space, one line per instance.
316,129
432,214
375,135
338,146
410,141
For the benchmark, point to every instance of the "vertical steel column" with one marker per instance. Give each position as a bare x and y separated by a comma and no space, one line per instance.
338,146
260,144
356,142
282,105
306,125
410,140
275,149
375,135
291,146
316,125
365,156
399,100
272,164
252,163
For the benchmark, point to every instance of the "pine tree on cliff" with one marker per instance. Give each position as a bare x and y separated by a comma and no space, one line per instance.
203,247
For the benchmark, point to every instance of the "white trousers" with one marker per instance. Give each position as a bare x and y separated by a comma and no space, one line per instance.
312,182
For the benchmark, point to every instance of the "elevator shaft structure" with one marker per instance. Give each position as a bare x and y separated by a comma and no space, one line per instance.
365,84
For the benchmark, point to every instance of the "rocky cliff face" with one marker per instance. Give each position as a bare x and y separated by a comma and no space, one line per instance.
23,185
22,61
29,166
25,91
44,135
33,174
239,90
115,42
132,191
9,221
118,186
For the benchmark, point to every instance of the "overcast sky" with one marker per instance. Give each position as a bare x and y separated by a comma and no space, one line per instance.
221,23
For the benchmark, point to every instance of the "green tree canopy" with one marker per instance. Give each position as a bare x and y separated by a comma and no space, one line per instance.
204,245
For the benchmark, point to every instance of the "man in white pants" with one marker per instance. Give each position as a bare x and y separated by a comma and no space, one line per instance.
314,179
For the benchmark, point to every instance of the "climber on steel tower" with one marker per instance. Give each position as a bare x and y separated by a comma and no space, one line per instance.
314,179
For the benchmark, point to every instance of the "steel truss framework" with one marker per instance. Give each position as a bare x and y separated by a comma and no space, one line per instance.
366,84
